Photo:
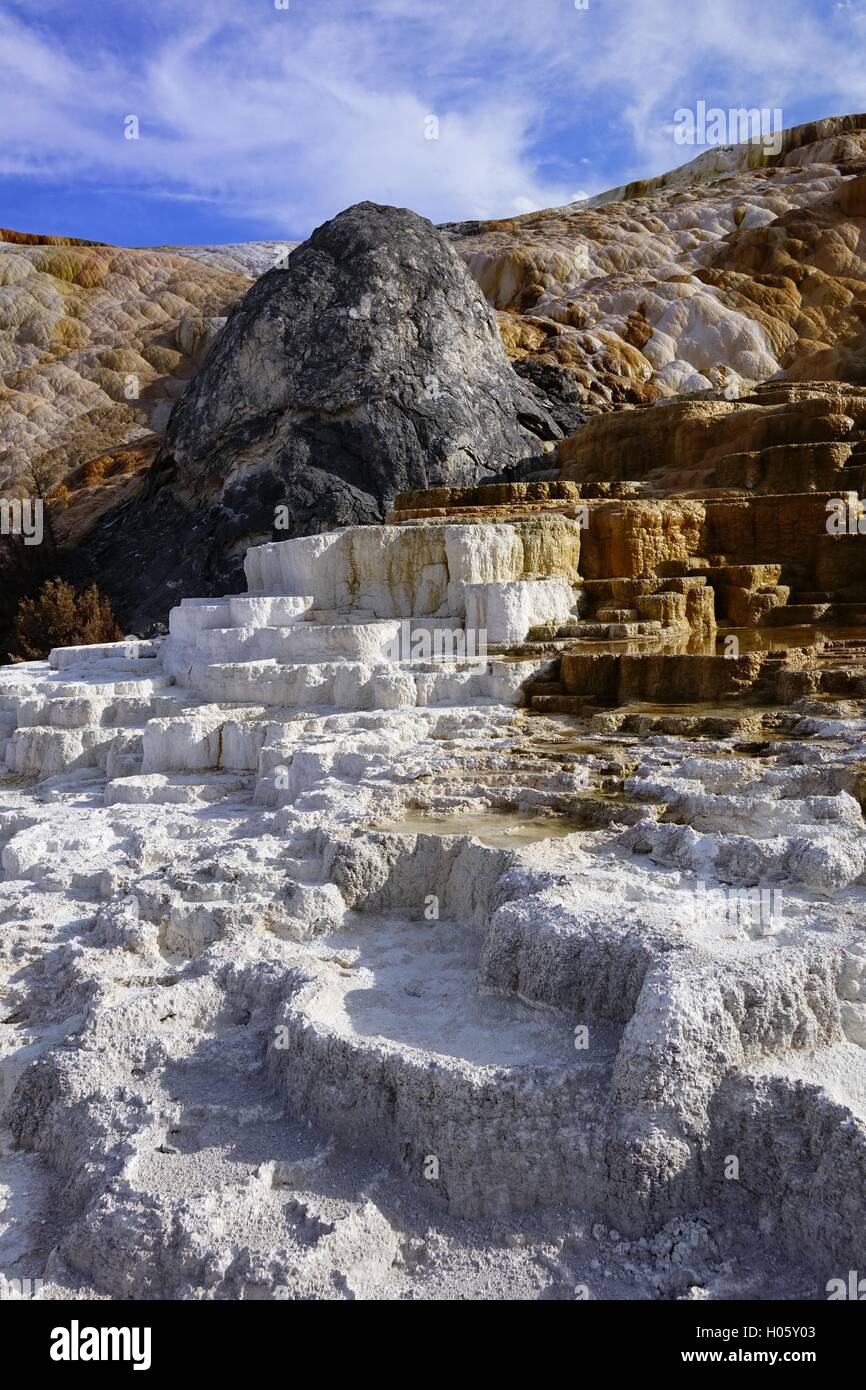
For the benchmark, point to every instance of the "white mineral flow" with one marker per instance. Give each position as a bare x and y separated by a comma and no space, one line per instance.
333,968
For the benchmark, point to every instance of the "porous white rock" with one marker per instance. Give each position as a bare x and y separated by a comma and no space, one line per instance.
506,611
293,944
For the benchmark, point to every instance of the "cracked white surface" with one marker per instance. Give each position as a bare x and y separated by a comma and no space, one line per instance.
252,985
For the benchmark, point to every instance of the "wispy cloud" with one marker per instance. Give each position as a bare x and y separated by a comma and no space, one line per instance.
287,115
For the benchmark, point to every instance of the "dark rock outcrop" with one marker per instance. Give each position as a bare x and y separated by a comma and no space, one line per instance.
370,365
558,392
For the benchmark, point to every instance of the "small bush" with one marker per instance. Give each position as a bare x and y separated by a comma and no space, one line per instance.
93,472
60,617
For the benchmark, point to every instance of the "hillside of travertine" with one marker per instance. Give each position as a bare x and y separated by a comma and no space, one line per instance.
96,345
465,898
740,266
720,273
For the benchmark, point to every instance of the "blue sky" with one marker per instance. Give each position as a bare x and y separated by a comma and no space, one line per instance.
257,121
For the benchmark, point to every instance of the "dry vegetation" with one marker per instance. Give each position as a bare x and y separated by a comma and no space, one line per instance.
61,617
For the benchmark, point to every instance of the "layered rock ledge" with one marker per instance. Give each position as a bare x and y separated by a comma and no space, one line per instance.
455,912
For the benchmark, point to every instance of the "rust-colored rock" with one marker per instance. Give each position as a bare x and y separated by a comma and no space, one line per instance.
735,268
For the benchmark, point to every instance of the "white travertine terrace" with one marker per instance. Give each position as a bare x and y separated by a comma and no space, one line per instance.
271,1033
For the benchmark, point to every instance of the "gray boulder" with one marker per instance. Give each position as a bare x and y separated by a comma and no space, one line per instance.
370,363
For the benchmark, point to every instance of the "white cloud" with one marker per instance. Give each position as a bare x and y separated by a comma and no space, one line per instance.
285,117
288,116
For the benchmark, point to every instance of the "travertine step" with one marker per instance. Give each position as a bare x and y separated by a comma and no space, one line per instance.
795,614
846,683
299,642
122,655
848,614
192,617
544,687
354,685
253,610
616,615
488,495
496,1091
41,751
268,610
643,723
101,682
206,738
177,790
609,632
558,704
80,712
847,645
